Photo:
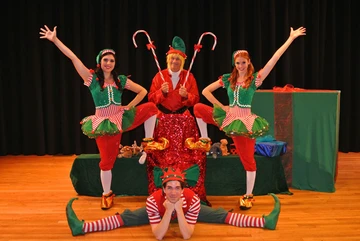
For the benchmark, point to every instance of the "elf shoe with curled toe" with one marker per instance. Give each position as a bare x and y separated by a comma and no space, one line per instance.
246,202
272,219
107,200
203,144
74,223
150,145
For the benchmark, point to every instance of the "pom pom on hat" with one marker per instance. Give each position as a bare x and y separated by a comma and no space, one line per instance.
178,47
171,174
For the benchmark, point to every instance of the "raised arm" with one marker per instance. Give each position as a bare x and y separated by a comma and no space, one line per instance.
271,63
46,33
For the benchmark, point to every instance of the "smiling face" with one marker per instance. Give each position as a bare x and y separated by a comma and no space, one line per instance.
241,64
175,62
107,62
173,191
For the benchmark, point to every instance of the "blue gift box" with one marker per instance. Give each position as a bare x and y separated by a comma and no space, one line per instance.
271,148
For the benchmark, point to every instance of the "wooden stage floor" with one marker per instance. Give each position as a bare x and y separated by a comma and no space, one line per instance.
35,189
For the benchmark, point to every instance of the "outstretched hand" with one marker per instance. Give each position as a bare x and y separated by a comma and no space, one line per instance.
298,32
47,33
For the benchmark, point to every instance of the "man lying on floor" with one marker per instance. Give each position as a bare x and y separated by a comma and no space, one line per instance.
174,202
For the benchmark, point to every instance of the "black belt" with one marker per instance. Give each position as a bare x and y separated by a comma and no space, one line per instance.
167,111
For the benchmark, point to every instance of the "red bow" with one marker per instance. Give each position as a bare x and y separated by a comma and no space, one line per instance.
287,88
150,45
197,47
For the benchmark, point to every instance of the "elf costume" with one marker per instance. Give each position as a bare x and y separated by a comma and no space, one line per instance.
110,121
154,212
175,122
239,123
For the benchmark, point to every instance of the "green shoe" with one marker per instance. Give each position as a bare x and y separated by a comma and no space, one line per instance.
272,219
74,223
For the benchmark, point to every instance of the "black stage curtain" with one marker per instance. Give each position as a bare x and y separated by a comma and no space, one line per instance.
43,98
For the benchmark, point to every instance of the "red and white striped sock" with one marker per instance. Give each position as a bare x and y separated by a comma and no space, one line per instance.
104,224
240,220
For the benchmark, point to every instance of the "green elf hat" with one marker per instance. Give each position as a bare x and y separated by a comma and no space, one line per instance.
236,53
178,47
102,52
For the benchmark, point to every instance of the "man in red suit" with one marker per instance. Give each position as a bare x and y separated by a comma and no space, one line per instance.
174,91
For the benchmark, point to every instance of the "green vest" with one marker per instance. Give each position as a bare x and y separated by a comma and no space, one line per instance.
107,96
240,97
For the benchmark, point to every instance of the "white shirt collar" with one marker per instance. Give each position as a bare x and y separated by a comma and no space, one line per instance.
175,74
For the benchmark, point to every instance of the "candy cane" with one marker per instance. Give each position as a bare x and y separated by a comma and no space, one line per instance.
197,48
151,46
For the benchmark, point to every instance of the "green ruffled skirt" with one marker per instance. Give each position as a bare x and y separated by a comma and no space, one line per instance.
106,127
238,128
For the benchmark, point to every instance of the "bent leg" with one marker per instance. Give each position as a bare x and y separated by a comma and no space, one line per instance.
143,113
204,112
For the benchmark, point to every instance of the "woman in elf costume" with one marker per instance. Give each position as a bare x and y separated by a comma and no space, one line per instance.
237,120
111,118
